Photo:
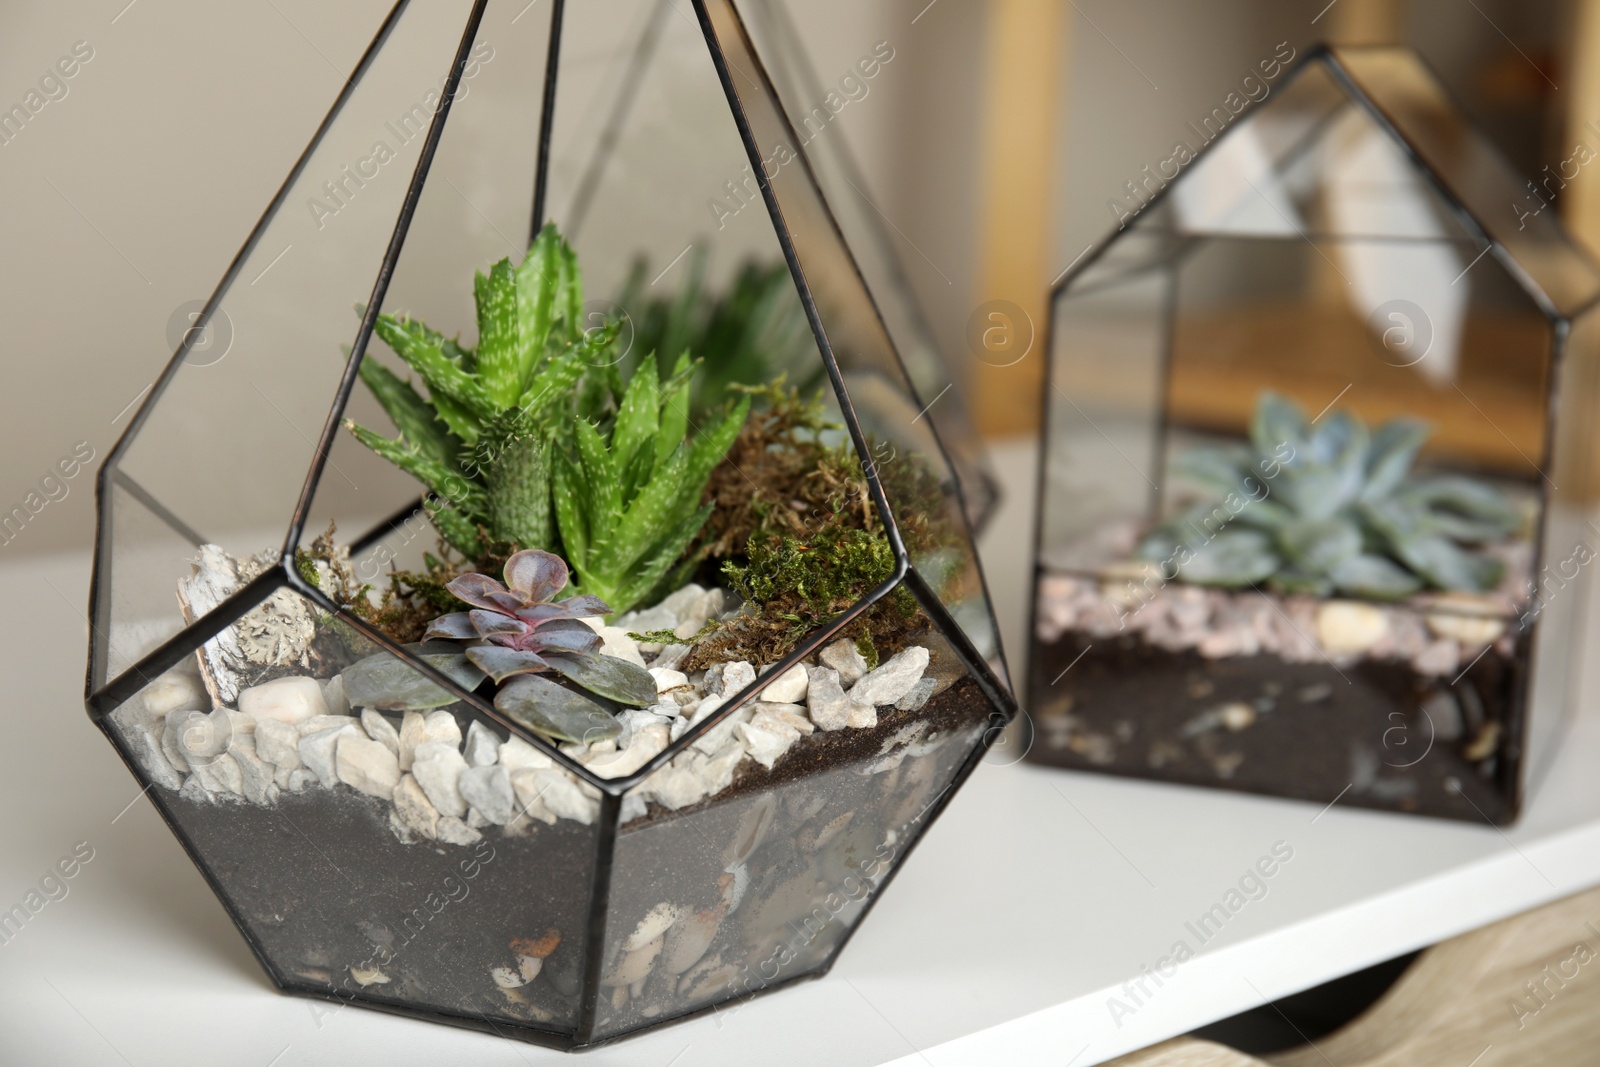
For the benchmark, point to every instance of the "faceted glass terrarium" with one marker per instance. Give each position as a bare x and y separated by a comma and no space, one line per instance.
742,653
1318,482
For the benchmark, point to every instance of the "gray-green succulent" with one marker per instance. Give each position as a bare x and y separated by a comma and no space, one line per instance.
1331,508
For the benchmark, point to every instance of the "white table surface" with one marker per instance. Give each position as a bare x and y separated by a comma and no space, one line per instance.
1027,907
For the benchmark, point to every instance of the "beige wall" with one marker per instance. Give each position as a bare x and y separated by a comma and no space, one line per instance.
127,198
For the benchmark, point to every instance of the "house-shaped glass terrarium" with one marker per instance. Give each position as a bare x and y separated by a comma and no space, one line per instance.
1319,461
576,634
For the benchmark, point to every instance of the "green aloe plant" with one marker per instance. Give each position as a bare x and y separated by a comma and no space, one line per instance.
627,495
532,440
480,441
755,331
1331,508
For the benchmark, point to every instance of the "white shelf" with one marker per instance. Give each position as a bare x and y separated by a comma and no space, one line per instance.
1027,907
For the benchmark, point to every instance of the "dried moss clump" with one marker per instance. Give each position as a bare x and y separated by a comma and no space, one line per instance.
792,585
802,541
411,599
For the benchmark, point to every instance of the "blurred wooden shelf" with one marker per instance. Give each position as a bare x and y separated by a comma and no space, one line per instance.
1491,415
1520,991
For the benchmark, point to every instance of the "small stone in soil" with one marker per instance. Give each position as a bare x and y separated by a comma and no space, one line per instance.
174,691
318,723
367,765
768,744
147,750
846,660
735,677
916,696
277,743
438,766
255,776
453,831
482,747
614,641
827,704
290,699
791,715
789,687
334,696
317,752
862,716
1236,716
488,790
381,730
1313,694
517,754
413,808
668,680
892,679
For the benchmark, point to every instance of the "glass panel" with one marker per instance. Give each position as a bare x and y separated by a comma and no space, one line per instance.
1476,175
418,859
714,899
866,226
880,393
1558,605
227,445
145,558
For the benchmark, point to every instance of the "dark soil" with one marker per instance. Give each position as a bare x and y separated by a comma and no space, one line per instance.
321,885
1319,732
839,821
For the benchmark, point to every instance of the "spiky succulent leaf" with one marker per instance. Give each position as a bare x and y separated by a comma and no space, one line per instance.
572,515
423,350
518,484
501,344
443,480
674,423
638,418
413,416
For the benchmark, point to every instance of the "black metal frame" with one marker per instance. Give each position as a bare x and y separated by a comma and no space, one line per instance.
1559,323
103,698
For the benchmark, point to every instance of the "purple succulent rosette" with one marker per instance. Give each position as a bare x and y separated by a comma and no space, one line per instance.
524,630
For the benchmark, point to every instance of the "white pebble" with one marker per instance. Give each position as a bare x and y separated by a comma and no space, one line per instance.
827,704
789,687
614,641
438,766
317,752
1346,627
892,679
517,754
846,659
367,765
483,745
669,680
381,730
174,691
291,699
